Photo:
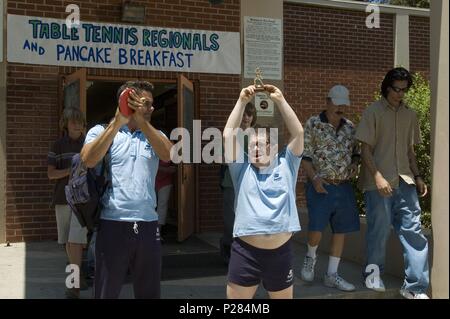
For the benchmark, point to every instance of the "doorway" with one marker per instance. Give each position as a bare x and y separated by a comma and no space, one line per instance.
96,97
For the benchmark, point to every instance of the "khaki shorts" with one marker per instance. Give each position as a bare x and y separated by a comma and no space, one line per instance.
69,229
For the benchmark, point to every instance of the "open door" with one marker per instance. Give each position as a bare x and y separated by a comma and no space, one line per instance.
75,90
186,171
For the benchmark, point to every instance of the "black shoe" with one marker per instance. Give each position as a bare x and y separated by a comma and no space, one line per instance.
162,230
72,293
83,283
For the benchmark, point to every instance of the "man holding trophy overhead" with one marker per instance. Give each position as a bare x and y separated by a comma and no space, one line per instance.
265,205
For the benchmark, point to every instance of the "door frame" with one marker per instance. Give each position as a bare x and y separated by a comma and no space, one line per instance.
80,74
191,222
196,84
196,166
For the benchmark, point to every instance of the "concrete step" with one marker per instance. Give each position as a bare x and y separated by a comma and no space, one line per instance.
191,270
350,271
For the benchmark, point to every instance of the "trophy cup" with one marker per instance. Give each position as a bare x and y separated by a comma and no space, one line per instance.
259,85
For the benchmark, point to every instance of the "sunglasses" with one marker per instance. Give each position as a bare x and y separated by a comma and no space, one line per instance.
398,90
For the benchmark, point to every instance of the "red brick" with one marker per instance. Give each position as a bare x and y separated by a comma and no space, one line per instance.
322,47
419,30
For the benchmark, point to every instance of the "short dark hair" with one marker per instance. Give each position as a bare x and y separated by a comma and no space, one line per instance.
139,86
250,110
397,74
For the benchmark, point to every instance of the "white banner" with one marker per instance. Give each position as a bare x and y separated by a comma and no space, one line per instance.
45,41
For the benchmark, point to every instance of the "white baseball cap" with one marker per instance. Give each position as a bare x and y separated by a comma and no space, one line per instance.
339,95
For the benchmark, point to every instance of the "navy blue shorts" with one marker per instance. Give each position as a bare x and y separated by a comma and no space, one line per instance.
338,208
250,265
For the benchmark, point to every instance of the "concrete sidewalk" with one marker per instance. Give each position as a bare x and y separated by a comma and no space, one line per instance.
192,269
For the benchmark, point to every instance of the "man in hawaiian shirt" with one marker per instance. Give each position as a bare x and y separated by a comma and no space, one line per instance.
330,161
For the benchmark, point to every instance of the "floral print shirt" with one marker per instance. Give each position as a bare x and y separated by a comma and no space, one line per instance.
329,149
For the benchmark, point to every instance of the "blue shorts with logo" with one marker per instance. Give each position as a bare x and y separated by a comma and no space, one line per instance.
250,265
338,208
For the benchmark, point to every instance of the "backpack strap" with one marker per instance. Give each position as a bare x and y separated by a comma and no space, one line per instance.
103,169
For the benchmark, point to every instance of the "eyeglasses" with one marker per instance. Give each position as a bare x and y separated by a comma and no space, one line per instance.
398,90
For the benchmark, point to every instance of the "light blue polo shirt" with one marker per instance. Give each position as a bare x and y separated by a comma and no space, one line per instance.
265,198
132,165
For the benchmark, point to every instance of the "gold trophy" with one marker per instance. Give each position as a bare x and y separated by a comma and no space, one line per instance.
259,85
261,98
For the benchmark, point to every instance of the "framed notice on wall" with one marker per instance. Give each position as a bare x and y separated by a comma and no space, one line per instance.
263,47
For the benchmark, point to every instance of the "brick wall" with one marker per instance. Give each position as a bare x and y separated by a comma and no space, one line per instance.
419,52
322,47
31,126
32,113
325,46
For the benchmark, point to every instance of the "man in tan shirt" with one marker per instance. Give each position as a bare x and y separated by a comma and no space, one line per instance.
391,183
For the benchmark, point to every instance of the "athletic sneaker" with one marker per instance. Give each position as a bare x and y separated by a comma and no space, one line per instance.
307,273
336,281
413,295
375,283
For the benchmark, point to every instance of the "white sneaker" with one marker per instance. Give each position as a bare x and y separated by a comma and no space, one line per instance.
375,283
307,273
412,295
336,281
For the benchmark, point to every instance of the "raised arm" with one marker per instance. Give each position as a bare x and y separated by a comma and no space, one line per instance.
234,122
290,119
93,152
160,143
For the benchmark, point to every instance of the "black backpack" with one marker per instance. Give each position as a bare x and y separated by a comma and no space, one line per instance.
84,191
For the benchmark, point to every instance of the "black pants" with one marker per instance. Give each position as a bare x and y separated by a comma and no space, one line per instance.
121,246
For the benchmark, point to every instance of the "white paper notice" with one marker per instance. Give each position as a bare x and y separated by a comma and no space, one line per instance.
263,47
264,105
